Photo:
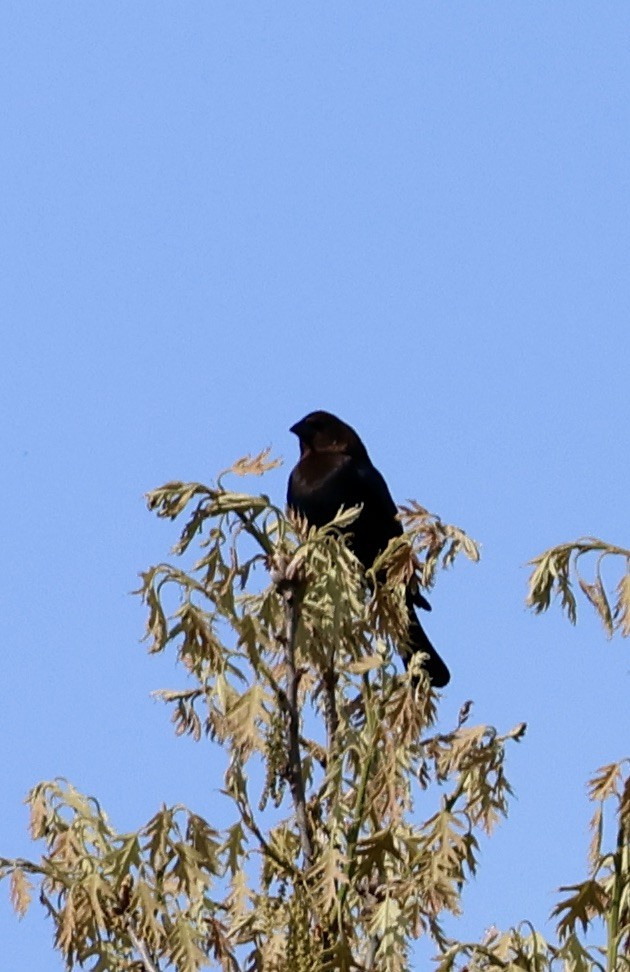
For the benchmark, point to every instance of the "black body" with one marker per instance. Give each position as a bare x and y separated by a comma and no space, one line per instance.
334,470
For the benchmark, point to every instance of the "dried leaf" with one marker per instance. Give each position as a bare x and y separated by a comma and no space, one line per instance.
605,783
595,847
255,465
366,664
21,891
622,606
589,901
597,596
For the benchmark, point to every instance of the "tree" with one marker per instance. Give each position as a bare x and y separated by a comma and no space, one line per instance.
331,758
603,898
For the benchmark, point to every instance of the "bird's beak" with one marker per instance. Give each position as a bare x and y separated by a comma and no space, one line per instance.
298,429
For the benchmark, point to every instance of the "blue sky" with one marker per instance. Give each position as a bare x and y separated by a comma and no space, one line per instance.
217,216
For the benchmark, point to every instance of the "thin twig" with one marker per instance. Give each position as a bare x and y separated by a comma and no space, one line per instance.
331,714
296,778
247,816
373,944
614,909
258,535
141,949
359,810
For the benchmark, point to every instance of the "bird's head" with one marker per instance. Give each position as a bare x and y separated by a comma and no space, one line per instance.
322,432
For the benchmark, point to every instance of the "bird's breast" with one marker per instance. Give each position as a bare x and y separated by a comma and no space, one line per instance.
320,484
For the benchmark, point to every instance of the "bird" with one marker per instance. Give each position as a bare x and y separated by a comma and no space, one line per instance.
334,470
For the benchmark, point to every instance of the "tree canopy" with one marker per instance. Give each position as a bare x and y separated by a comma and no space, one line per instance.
355,821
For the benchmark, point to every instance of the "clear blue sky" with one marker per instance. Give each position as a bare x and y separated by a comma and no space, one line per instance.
217,216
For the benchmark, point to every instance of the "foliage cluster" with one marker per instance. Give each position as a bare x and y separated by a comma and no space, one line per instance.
356,823
557,570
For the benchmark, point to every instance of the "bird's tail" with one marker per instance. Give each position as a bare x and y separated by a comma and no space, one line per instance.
418,641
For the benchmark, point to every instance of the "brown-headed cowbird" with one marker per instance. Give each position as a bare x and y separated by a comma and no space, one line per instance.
334,470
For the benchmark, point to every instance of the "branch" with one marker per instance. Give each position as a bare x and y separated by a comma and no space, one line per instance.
247,816
258,535
359,810
296,777
556,569
331,714
141,949
614,911
373,945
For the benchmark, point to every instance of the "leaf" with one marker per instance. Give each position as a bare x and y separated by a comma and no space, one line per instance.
169,500
95,888
66,925
622,606
597,596
157,628
374,850
204,839
185,950
366,664
145,903
20,892
589,901
552,574
157,830
595,847
552,571
127,857
624,818
576,957
243,717
605,783
436,539
239,897
343,518
234,847
254,465
38,813
330,875
385,916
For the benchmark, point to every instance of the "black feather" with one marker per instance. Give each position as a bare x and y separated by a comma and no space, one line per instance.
335,470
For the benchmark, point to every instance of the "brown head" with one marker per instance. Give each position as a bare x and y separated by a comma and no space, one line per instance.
323,432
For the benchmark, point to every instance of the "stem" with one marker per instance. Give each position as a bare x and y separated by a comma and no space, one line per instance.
355,829
249,820
258,535
141,949
296,777
612,922
371,953
331,714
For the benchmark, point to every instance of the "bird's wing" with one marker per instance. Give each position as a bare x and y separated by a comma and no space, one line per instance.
384,514
376,493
